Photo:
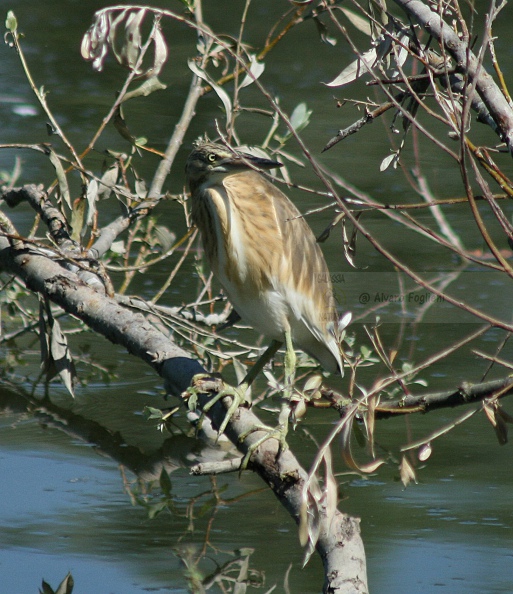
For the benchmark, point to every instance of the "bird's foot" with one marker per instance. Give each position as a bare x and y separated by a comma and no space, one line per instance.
279,432
203,383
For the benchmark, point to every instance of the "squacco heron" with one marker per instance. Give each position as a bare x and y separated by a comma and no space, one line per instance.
266,258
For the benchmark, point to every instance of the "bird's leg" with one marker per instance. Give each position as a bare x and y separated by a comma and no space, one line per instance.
279,432
290,366
237,393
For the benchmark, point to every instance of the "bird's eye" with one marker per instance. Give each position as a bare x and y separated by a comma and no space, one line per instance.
211,157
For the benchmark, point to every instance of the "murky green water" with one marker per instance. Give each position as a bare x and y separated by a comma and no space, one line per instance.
70,499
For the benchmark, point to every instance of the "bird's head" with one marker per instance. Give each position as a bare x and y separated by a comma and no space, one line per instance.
209,158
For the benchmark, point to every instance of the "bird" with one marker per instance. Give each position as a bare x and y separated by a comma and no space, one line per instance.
266,258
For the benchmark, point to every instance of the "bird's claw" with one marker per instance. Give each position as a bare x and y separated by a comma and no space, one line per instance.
203,383
279,432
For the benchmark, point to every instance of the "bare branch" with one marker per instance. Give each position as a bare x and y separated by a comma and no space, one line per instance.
282,473
466,62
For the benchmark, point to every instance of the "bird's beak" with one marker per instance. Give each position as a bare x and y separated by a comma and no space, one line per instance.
243,160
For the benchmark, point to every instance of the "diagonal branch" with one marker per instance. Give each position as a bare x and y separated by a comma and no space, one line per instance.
467,63
339,544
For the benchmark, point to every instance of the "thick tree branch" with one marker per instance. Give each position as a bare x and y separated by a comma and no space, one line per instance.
339,544
413,403
466,62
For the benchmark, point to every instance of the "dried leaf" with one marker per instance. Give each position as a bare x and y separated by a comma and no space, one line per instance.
370,420
330,488
160,52
392,355
91,198
77,219
300,409
498,422
303,523
407,472
490,413
344,322
313,536
95,43
425,452
313,383
113,31
309,524
131,49
347,455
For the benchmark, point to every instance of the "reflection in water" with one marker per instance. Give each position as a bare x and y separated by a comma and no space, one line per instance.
64,507
103,528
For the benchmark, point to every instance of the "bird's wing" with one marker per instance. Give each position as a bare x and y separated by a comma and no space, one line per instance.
305,277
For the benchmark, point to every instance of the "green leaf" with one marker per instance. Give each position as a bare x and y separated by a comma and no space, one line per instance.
91,198
66,586
146,88
47,589
154,510
141,141
165,482
108,181
61,177
11,22
362,65
300,117
221,93
165,237
152,413
61,356
122,127
357,21
192,401
365,351
255,68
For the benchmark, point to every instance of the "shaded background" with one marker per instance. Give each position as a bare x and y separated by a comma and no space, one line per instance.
70,501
